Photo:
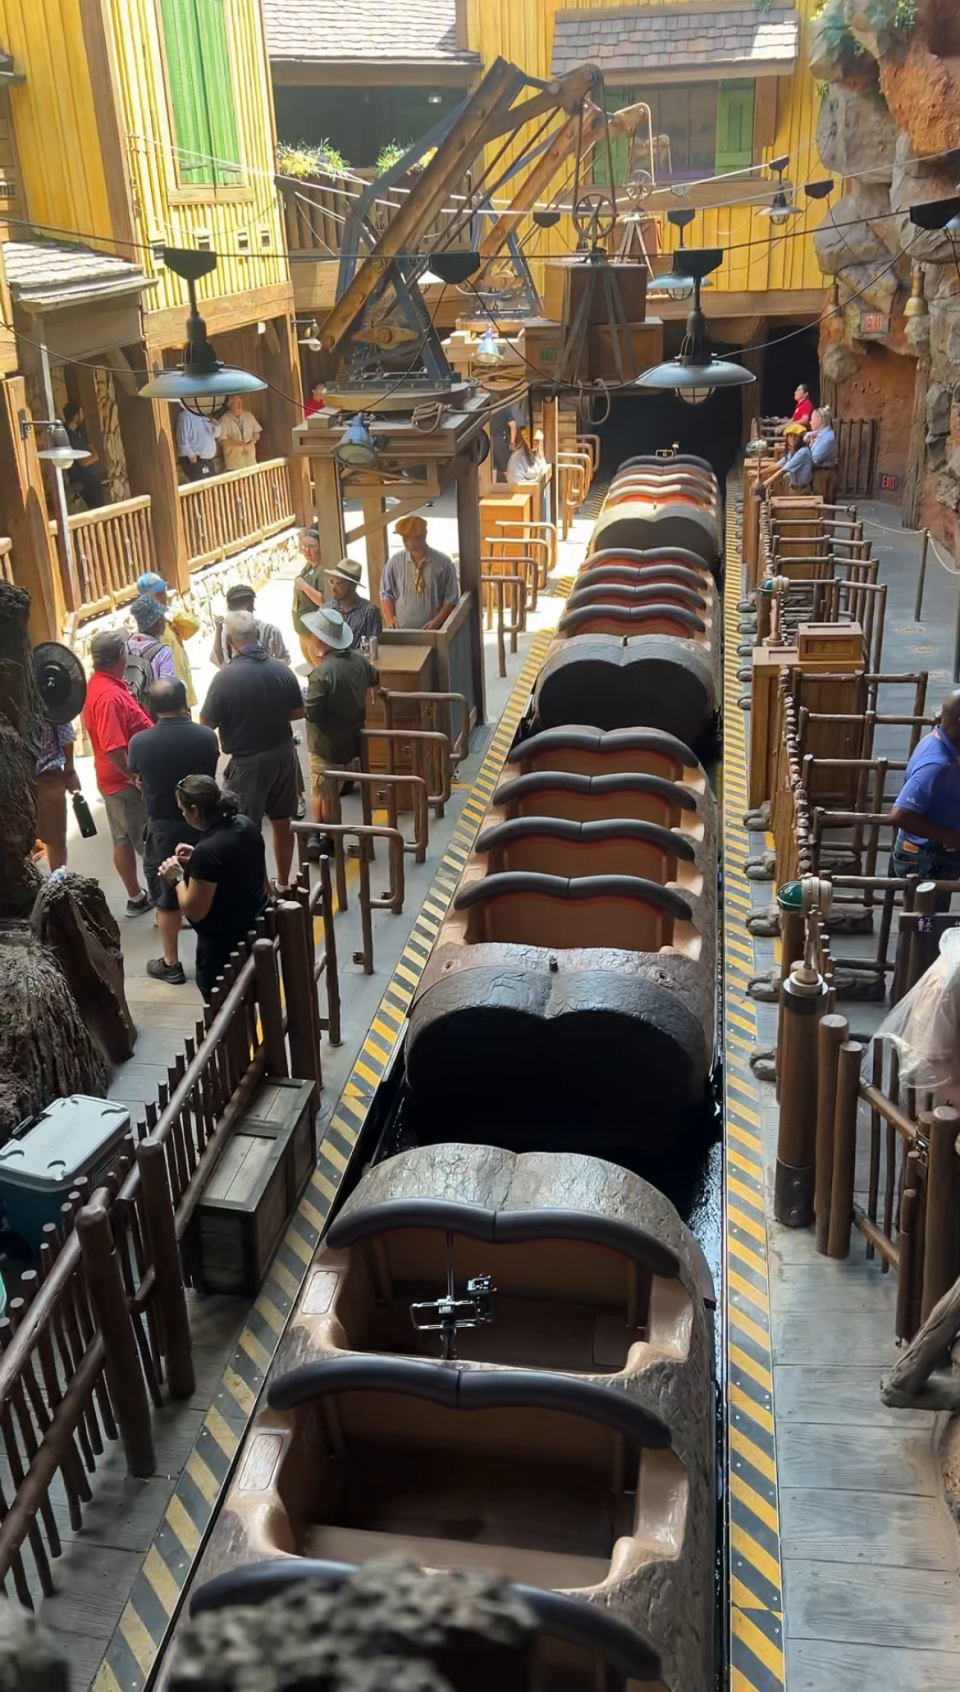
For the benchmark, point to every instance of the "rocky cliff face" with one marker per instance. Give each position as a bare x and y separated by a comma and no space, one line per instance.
890,117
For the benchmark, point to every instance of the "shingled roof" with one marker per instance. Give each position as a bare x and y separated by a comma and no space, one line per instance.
625,40
53,274
381,31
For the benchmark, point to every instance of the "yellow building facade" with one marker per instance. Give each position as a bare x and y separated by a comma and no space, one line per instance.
128,126
729,87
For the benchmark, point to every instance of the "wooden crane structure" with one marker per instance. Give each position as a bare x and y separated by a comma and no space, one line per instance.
502,134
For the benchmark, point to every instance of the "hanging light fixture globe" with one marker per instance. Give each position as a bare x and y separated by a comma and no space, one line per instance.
696,372
60,451
200,382
356,445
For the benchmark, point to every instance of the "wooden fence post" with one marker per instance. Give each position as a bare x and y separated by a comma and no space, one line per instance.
300,993
832,1035
122,1360
943,1206
167,1268
802,1004
271,1010
850,1058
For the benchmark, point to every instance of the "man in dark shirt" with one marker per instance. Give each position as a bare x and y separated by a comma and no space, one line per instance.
252,702
336,702
159,757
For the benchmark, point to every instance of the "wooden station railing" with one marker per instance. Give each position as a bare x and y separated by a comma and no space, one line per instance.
100,1327
224,514
221,516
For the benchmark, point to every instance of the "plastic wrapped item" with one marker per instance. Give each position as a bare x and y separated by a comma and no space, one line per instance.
925,1027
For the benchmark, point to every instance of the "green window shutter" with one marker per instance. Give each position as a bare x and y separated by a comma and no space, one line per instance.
201,92
616,99
735,105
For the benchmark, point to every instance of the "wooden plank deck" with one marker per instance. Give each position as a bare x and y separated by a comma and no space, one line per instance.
870,1555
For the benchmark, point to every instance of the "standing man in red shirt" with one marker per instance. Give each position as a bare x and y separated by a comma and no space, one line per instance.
111,717
804,404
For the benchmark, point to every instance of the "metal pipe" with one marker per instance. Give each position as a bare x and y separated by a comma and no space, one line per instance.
921,578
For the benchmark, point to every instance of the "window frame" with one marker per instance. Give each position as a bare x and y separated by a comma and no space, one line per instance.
180,193
641,90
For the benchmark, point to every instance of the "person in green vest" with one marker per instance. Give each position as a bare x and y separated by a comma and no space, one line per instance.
311,576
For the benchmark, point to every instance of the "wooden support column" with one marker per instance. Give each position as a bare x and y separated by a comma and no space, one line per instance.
148,431
326,488
468,536
917,449
551,450
23,516
280,366
377,545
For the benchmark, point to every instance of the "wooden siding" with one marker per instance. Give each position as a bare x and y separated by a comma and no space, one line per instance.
63,177
167,213
759,257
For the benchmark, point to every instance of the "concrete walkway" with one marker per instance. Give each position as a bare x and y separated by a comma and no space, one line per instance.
870,1556
117,1545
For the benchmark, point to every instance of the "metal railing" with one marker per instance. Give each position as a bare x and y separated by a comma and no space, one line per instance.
224,514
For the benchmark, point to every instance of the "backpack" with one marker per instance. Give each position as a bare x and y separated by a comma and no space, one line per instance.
138,674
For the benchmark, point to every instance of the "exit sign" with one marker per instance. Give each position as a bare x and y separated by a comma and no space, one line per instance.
873,325
889,484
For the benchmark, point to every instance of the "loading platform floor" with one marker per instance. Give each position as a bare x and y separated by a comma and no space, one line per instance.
843,1563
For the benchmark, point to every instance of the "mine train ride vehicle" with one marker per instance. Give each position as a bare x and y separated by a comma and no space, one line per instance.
503,1352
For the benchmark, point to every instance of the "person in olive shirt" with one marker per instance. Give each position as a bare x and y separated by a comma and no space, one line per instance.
308,587
336,703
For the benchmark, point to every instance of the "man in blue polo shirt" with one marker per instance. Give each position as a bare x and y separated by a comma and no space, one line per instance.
927,810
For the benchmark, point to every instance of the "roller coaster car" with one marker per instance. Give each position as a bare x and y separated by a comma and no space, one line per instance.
603,671
582,924
645,521
562,1435
578,1647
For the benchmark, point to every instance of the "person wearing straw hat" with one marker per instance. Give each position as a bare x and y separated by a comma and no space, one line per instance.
343,579
336,702
418,588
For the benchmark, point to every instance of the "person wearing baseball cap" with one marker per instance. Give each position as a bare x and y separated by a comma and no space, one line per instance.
336,702
178,626
241,597
418,588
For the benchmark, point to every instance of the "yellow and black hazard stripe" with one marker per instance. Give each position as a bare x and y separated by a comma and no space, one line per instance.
755,1632
145,1622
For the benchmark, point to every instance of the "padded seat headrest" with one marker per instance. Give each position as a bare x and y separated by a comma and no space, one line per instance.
578,737
458,1387
508,884
585,833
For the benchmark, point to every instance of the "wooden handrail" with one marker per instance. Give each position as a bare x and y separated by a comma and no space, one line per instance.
192,490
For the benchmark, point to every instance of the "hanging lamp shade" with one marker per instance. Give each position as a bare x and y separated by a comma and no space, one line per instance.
200,382
696,372
356,445
60,451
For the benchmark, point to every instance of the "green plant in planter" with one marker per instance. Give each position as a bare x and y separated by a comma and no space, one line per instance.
300,160
390,155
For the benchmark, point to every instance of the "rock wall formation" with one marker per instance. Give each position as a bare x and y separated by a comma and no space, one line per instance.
890,117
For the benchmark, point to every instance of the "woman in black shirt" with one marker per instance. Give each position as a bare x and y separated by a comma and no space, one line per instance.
221,882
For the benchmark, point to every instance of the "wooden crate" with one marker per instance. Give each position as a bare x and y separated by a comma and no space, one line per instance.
830,646
254,1190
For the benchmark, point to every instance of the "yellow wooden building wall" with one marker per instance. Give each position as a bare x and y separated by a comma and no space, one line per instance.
61,169
759,257
151,148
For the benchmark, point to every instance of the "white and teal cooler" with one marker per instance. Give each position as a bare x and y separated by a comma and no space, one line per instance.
40,1167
